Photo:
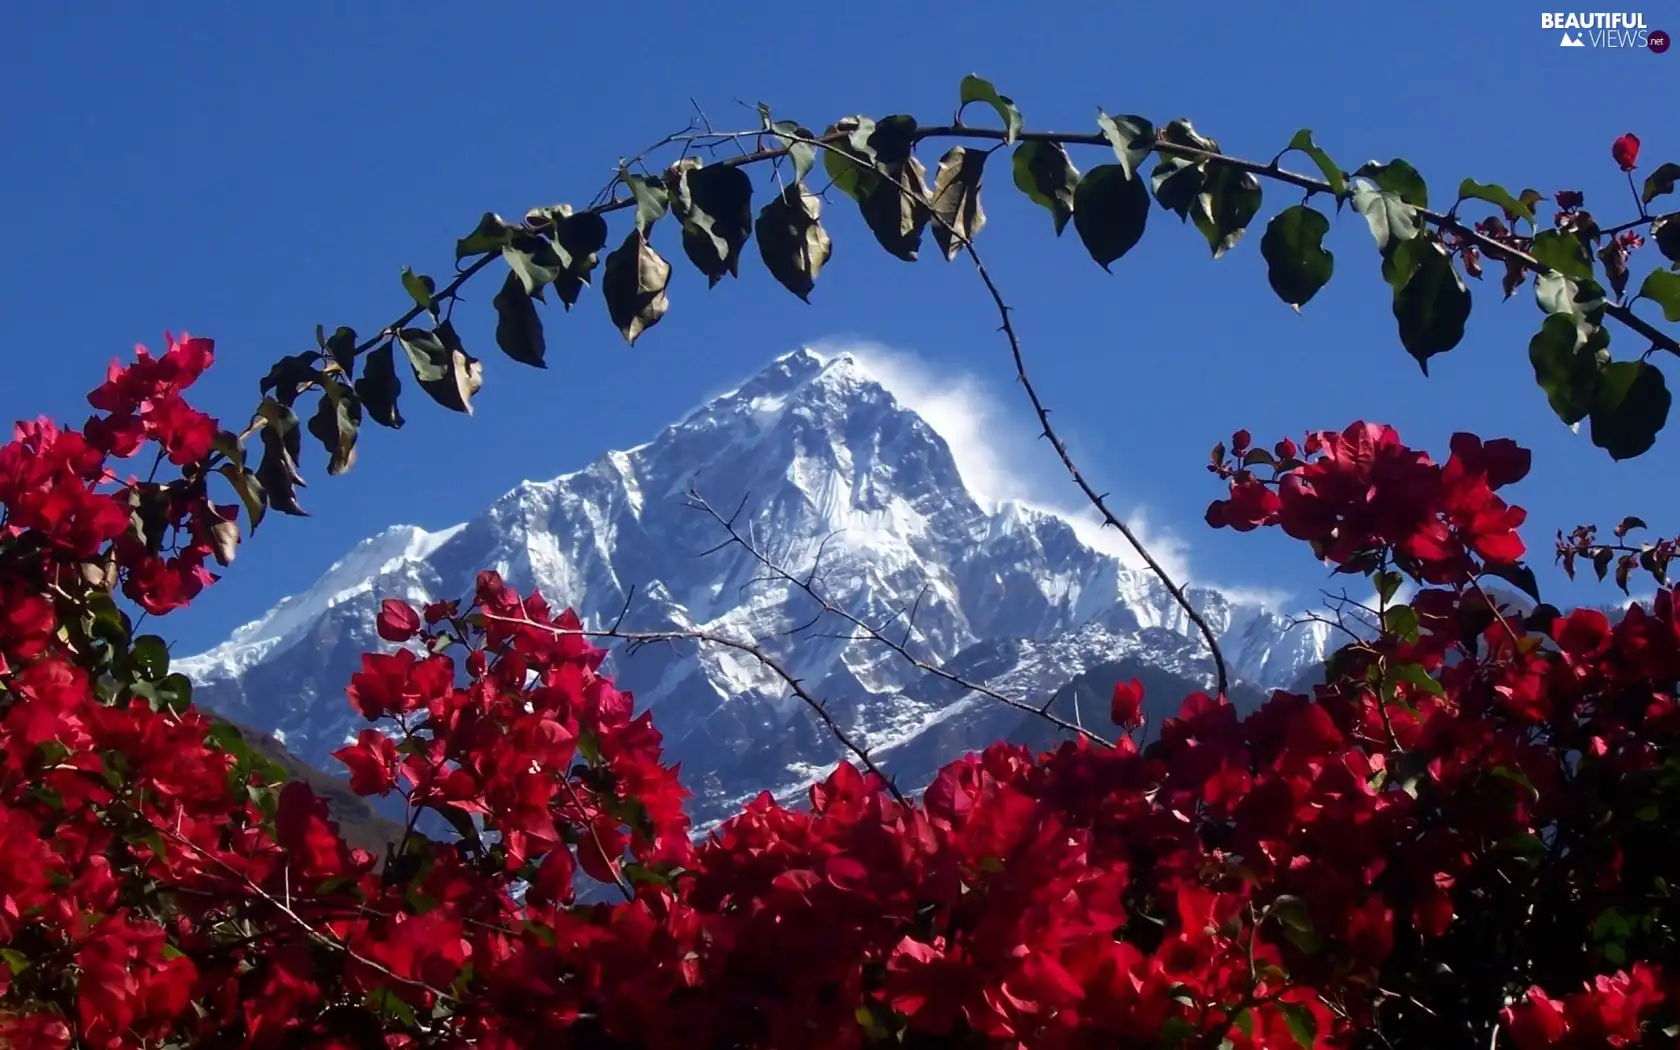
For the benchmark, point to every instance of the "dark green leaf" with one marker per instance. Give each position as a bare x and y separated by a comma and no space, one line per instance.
426,354
1430,299
1629,407
578,239
1391,219
1563,252
1399,178
1133,139
1303,1025
652,199
149,657
1297,263
1666,232
893,139
850,162
1177,180
1388,584
420,288
1110,211
291,376
337,420
462,373
1663,288
340,346
1303,142
491,234
956,198
248,489
975,89
1582,300
1494,193
896,209
714,205
534,259
379,386
791,239
1229,200
797,141
173,693
1564,367
519,331
1045,173
278,470
1517,575
634,286
1660,182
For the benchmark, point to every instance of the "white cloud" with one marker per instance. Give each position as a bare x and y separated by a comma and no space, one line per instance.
999,453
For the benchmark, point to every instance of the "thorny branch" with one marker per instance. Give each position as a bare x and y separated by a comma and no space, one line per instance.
870,632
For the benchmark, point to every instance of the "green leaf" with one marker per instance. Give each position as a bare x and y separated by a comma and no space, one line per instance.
976,89
1430,299
249,490
1388,584
1564,367
1110,210
896,208
462,373
1302,1024
791,239
341,345
1045,173
1494,193
1177,180
519,331
173,693
893,140
956,199
533,258
379,386
1563,252
149,657
1558,294
426,354
1400,621
1663,288
421,289
1629,407
1517,575
492,232
578,239
291,376
1660,182
1666,232
1303,142
335,424
278,470
633,284
1133,139
15,961
1399,178
652,199
850,162
797,141
1297,263
1228,202
1391,219
714,205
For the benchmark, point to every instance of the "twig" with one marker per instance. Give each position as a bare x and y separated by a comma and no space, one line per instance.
876,634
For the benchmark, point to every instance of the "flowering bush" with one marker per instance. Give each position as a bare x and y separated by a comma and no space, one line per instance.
1469,827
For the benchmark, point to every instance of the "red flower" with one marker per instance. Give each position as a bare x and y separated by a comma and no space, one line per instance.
1126,708
397,621
1626,151
372,761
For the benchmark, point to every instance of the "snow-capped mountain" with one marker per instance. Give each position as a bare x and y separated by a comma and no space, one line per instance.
819,454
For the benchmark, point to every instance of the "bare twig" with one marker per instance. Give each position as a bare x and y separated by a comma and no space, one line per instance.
872,633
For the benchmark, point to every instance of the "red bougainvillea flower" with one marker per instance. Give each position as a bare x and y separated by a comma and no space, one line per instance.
1126,708
397,621
1626,151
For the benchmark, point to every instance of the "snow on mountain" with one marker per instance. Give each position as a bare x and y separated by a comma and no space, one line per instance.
820,454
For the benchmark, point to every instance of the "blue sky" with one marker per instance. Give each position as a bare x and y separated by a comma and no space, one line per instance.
249,171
